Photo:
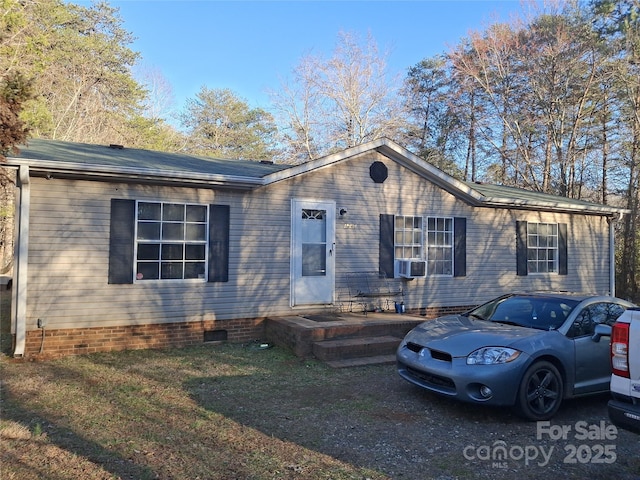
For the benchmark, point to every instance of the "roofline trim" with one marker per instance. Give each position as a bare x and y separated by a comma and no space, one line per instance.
83,170
555,206
384,146
456,187
322,162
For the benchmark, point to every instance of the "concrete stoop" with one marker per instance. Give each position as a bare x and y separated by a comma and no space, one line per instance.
352,348
349,340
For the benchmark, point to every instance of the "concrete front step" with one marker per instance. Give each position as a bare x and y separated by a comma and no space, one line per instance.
357,347
299,333
362,361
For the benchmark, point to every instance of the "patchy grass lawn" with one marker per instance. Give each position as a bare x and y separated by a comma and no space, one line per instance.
239,412
173,414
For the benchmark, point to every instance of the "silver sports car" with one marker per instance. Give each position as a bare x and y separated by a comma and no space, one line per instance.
529,351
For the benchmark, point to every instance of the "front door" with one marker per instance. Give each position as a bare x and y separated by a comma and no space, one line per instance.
313,252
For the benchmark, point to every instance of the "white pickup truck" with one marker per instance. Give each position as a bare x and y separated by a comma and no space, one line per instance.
624,406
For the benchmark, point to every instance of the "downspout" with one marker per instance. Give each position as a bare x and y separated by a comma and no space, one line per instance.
21,257
612,254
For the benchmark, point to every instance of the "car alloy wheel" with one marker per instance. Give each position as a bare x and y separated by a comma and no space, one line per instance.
540,393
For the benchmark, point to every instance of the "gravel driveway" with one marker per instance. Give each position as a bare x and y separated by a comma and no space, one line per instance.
411,434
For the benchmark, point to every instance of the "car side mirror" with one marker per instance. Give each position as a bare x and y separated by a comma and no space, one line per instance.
601,330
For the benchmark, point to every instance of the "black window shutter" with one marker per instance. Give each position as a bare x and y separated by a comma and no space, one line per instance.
386,246
218,243
121,241
562,249
521,248
460,247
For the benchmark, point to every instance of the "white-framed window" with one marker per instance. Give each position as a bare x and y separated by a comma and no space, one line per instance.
542,247
439,246
170,241
408,238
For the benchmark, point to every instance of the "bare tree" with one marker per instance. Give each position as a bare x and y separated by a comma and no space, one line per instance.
340,102
159,101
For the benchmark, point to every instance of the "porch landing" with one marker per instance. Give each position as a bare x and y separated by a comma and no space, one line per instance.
342,339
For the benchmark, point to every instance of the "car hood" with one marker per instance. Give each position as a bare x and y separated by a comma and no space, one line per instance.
460,335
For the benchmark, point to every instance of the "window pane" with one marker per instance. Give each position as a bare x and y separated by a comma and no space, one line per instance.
194,270
194,252
149,251
147,271
196,213
173,231
148,231
173,212
314,226
172,252
148,211
314,260
542,242
171,270
196,232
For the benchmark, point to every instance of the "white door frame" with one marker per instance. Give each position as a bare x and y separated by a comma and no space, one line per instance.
312,290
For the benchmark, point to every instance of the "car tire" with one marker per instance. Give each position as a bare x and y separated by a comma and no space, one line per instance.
540,393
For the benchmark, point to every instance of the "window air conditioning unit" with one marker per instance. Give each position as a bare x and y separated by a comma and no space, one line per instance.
411,268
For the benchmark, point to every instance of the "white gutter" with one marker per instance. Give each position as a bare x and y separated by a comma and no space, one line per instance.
21,256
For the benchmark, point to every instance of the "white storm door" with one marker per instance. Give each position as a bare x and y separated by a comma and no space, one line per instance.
313,258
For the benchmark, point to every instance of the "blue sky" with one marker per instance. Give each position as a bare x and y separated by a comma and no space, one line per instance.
248,46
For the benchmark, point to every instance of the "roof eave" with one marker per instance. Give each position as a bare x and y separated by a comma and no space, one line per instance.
418,165
563,207
129,174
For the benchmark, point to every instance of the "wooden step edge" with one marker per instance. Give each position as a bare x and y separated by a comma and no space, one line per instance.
362,361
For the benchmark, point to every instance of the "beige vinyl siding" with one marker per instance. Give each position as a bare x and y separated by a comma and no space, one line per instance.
69,248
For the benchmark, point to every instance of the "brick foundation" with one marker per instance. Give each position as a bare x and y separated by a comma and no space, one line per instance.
77,341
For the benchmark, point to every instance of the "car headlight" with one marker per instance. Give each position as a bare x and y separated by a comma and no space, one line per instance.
492,356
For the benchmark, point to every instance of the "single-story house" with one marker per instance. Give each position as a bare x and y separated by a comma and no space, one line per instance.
123,248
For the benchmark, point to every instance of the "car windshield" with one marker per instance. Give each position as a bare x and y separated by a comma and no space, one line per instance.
544,313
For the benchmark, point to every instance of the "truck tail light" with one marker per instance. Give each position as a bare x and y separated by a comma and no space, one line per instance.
620,349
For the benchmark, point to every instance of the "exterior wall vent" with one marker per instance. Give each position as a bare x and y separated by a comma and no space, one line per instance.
215,336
